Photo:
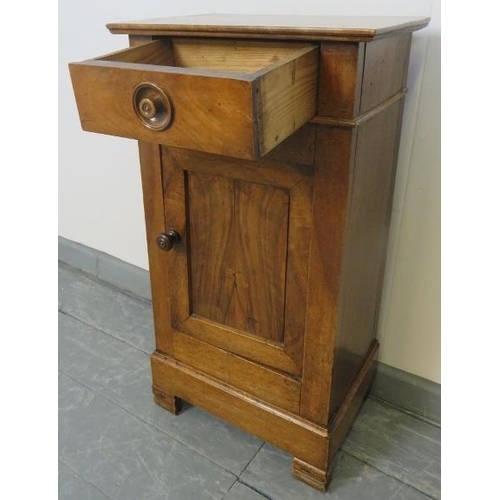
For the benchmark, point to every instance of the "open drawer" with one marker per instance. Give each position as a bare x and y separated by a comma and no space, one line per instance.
233,98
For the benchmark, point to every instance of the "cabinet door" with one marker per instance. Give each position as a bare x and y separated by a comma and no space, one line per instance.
238,277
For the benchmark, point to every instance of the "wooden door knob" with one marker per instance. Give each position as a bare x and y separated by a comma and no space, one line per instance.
166,240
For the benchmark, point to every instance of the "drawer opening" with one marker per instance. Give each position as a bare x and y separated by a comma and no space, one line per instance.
234,56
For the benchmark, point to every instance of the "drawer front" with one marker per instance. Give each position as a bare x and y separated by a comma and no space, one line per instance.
141,93
208,113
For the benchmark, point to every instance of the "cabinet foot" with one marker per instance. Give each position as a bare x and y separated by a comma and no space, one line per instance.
313,476
171,403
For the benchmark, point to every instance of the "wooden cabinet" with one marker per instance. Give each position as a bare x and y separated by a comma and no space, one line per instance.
268,150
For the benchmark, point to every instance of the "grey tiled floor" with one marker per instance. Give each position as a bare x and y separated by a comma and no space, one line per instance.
114,442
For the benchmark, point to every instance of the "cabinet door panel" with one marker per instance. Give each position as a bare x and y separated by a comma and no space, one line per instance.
238,232
238,277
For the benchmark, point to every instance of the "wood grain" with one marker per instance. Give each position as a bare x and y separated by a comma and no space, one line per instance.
340,79
313,476
368,222
332,178
320,477
237,211
279,174
221,112
333,28
252,347
170,403
269,385
386,63
342,421
135,40
366,116
152,189
289,432
211,113
287,98
238,246
231,55
297,149
266,309
158,52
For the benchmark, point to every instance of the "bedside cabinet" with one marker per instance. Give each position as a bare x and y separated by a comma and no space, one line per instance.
268,149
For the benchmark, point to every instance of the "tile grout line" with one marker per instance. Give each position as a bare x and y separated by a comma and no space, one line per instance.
69,315
224,495
388,475
253,488
237,480
250,461
61,460
149,423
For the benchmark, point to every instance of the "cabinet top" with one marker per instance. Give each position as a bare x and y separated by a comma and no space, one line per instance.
334,28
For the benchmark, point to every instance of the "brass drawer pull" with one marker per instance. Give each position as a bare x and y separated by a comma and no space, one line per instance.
152,106
166,240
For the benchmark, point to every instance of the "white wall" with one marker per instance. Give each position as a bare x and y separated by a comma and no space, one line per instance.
100,201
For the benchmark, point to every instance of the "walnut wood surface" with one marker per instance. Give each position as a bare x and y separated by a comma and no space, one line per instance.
290,432
152,189
365,246
238,238
104,91
385,70
313,476
338,427
312,446
215,108
333,28
266,310
297,149
342,420
339,83
170,403
242,266
269,385
334,160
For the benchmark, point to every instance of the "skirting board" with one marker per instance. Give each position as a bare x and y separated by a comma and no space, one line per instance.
116,272
403,390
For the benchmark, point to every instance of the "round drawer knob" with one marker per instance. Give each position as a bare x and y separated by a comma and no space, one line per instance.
147,108
166,240
152,106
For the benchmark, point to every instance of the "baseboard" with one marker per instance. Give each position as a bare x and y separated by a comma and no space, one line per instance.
401,389
107,268
409,392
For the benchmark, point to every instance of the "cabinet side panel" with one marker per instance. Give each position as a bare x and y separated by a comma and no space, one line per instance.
365,246
385,69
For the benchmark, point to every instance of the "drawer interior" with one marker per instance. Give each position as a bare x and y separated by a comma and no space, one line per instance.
235,56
